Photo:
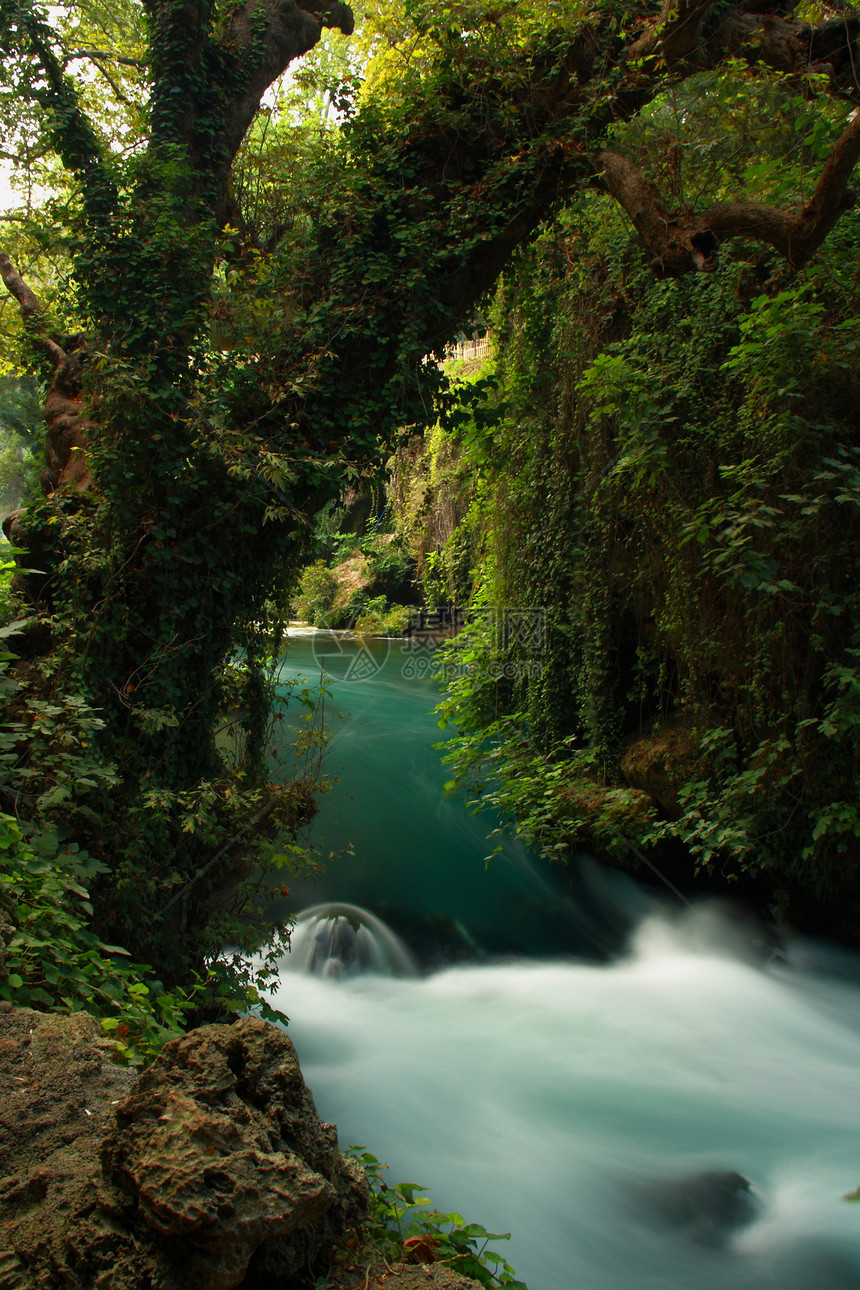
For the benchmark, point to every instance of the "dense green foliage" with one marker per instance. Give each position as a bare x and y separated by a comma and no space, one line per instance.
676,501
20,438
208,466
363,582
56,961
402,1226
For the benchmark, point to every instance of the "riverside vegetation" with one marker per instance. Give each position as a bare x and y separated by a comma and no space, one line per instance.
658,480
670,482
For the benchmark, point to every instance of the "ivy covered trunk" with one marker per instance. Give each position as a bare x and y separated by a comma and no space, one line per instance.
154,567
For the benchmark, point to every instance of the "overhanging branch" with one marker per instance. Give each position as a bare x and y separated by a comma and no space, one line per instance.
676,33
101,54
29,306
690,35
209,78
292,30
683,241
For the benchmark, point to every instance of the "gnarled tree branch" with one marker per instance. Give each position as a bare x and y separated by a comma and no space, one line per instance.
292,30
208,81
682,241
676,33
103,54
67,424
690,35
28,303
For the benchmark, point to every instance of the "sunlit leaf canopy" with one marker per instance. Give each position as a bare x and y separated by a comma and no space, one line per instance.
708,136
103,48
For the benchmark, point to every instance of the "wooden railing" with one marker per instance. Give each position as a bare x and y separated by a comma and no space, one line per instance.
467,351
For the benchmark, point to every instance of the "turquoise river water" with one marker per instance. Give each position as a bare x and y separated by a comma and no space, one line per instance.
577,1060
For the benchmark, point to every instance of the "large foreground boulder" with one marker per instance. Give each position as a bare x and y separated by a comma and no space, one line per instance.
211,1170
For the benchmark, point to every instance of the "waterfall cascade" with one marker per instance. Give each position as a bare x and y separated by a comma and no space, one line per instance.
336,940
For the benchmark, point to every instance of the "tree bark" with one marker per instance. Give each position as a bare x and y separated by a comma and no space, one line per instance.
681,241
65,419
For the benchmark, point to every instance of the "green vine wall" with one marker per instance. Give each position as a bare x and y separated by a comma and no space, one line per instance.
678,499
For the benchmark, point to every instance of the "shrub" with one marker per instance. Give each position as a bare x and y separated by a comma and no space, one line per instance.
53,961
317,590
391,569
398,1230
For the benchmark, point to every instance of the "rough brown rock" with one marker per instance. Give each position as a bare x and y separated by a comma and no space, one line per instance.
58,1090
659,764
379,1275
212,1159
427,1276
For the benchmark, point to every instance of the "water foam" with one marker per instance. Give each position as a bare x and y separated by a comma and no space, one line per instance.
542,1097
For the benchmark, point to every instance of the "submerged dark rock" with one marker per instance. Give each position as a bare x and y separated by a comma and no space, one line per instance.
179,1179
706,1207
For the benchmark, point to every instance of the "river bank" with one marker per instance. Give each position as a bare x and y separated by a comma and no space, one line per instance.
211,1170
639,1089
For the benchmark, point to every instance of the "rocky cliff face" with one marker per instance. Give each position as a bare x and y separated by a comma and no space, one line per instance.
210,1170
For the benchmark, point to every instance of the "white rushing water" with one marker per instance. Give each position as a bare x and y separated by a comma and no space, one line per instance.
570,1103
339,939
599,1111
